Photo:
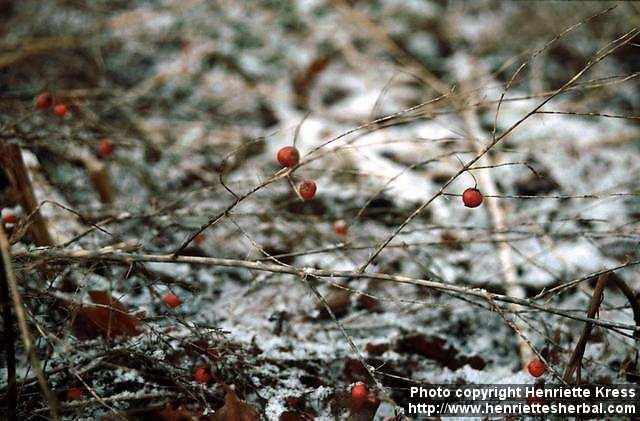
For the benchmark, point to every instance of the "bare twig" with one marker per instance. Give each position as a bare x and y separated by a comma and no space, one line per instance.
633,300
304,274
9,340
54,405
578,352
605,52
499,222
112,254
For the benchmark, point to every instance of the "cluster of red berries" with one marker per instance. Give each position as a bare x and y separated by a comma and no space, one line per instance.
45,101
289,157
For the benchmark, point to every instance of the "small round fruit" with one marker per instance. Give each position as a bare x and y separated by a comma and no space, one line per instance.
288,156
199,239
171,300
44,101
74,393
340,227
307,189
60,110
202,375
359,392
10,218
105,148
472,198
536,368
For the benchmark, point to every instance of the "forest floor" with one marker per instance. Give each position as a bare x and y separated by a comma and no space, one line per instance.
176,112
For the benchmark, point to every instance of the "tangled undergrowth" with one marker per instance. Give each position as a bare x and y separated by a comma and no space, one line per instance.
461,203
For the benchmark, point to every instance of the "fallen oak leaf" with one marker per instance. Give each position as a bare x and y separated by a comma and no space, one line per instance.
235,410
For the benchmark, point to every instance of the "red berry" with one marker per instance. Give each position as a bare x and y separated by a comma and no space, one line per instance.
44,101
202,375
199,239
536,368
171,300
60,110
106,148
74,393
288,156
340,227
359,392
10,218
472,198
307,189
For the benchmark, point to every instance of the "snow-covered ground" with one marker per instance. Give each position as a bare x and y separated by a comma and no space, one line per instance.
185,89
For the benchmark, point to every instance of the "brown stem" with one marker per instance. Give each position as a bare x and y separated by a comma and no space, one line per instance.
635,307
9,345
99,179
576,358
119,253
633,301
12,286
11,161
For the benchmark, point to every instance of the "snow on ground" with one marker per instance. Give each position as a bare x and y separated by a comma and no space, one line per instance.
212,87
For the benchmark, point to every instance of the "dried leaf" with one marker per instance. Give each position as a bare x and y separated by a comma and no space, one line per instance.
297,410
304,81
110,320
437,349
103,298
369,303
177,414
235,410
339,301
377,349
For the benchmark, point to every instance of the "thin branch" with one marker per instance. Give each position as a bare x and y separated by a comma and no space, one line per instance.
578,352
497,214
9,339
111,254
623,40
54,405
